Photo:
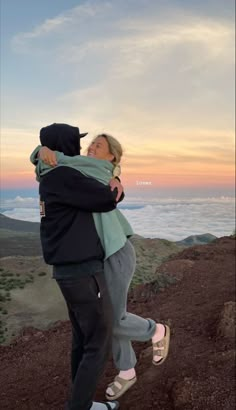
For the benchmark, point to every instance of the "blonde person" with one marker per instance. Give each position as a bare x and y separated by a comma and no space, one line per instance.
102,162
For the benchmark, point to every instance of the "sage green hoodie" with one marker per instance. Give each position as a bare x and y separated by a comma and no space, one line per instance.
112,227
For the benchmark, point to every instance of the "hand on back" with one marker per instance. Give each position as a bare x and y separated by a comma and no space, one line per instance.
48,156
114,183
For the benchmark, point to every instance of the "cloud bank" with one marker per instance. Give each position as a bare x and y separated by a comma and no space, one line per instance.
165,218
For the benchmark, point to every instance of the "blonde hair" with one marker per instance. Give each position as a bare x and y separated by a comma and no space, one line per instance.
114,146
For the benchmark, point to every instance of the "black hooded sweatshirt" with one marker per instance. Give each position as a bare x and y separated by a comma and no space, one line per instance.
67,199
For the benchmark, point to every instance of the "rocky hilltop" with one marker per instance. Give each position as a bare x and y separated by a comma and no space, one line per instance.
193,290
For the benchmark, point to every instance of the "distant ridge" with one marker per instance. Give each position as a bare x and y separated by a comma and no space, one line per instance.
19,237
22,238
17,225
197,240
26,226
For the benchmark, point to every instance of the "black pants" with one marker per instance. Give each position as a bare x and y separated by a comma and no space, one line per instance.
89,310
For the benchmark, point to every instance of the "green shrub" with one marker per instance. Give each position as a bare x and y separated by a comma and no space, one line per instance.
7,274
2,297
162,281
42,274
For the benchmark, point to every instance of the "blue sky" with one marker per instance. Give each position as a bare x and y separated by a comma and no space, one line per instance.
157,74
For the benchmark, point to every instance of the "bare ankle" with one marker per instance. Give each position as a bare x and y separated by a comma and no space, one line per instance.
127,374
159,334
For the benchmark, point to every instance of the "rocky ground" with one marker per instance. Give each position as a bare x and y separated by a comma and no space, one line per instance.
199,372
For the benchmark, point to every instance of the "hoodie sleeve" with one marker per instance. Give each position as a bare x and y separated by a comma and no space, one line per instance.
34,155
69,187
67,162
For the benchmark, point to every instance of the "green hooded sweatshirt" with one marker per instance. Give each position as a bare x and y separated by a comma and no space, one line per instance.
112,227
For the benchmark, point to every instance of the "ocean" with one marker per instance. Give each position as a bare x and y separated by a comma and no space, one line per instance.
167,218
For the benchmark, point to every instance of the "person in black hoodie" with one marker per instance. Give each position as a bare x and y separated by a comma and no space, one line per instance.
71,244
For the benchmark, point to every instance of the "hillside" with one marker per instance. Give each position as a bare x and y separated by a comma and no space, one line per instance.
24,274
16,225
199,373
19,237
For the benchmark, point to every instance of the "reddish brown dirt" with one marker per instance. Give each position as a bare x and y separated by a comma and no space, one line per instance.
199,372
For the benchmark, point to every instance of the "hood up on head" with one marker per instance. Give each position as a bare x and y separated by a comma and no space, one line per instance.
62,137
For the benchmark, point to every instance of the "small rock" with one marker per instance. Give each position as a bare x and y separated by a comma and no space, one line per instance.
226,326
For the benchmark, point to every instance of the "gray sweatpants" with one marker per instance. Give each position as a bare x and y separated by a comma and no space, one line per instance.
119,269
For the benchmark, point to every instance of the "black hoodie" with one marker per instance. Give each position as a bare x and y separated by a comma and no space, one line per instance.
67,200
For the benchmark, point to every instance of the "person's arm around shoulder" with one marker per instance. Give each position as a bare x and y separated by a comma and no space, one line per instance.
45,154
34,156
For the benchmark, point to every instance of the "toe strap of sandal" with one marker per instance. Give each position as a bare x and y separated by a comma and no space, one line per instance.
161,348
157,352
121,383
159,344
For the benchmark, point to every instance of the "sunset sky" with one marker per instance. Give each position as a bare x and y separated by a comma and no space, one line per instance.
156,74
